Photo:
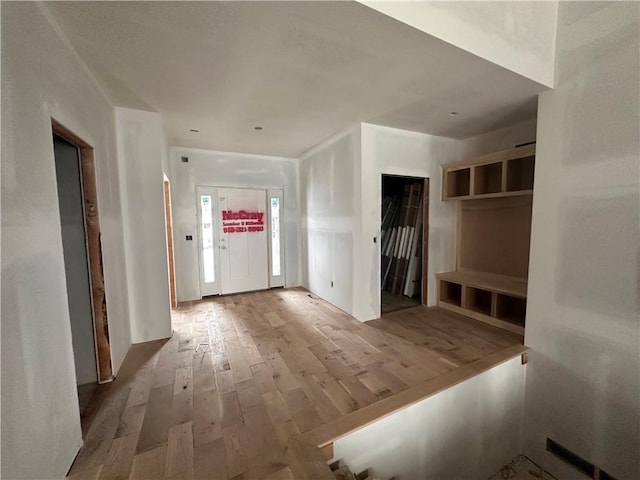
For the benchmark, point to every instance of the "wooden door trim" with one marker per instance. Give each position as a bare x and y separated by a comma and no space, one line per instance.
425,241
94,250
169,231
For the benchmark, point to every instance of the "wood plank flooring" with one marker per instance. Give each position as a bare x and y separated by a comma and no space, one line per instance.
244,378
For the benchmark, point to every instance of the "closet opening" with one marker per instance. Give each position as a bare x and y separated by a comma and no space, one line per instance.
82,251
404,235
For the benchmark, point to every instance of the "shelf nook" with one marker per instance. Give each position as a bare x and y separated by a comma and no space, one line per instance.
458,182
488,178
478,300
520,174
451,293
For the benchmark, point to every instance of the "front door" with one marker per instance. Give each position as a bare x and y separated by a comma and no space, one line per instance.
242,230
239,237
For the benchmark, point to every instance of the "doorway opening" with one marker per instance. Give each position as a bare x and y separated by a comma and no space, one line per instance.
241,247
82,251
169,232
404,234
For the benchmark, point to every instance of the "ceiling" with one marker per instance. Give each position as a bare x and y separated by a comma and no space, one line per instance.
301,70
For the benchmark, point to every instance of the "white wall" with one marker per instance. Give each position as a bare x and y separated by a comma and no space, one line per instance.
468,431
330,181
141,146
42,78
583,382
222,169
519,36
399,152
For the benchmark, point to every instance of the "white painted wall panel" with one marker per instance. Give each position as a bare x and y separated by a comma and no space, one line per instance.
583,383
468,431
140,149
330,179
42,78
223,169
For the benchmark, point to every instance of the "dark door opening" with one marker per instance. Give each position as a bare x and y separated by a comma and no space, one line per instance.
80,228
404,234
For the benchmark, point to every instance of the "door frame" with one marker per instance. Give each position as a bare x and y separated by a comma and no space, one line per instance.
169,231
280,191
93,240
425,240
425,231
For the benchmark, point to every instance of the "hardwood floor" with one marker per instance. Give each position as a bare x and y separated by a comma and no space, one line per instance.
247,379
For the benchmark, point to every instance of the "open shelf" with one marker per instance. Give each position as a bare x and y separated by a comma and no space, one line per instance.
511,309
520,174
458,182
512,286
478,300
451,293
494,299
487,178
502,174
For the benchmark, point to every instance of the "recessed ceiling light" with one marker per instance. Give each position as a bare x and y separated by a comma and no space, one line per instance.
453,114
257,128
193,130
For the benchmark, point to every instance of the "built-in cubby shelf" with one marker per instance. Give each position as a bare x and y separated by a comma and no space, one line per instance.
458,182
491,298
511,309
500,174
478,299
451,293
494,228
520,174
